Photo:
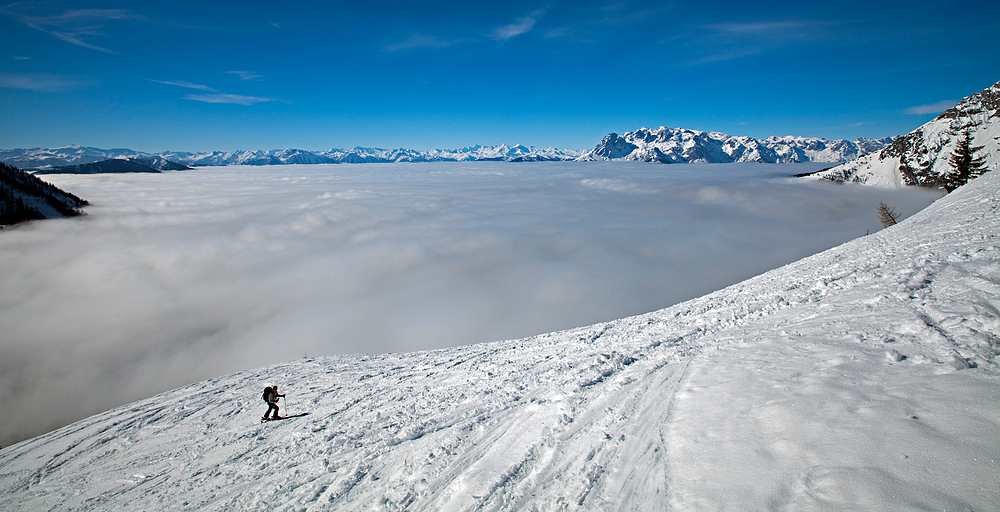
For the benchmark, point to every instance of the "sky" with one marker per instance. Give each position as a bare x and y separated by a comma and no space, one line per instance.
177,277
206,76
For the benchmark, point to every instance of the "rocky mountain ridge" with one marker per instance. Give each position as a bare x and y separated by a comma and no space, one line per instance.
921,157
682,145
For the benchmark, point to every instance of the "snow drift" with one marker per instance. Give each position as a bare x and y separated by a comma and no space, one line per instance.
865,376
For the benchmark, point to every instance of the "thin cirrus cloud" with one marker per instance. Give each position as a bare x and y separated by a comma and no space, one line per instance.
930,108
245,75
728,41
215,96
501,33
74,26
185,84
235,99
37,82
419,41
519,27
771,27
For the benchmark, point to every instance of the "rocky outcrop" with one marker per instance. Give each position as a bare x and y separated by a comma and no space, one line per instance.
921,157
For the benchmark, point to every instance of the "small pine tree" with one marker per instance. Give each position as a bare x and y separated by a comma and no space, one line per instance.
887,214
964,163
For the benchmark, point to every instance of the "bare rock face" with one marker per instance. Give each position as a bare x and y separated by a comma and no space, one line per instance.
613,147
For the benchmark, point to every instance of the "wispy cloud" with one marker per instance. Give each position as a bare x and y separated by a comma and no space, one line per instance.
521,26
728,41
768,27
419,41
600,23
216,96
37,82
184,84
931,108
502,33
245,75
235,99
73,26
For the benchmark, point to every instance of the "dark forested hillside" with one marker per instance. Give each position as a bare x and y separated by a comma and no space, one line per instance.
26,197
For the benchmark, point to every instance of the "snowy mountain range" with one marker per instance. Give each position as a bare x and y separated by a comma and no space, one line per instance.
921,156
75,155
861,378
681,145
665,145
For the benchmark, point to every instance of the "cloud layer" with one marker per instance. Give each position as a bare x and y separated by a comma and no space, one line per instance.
183,276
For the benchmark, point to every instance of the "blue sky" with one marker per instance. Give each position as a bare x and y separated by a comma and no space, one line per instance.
199,76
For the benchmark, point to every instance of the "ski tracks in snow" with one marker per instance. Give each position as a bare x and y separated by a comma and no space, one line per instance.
561,420
542,424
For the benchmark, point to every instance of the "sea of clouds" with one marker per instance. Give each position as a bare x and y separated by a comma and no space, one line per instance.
177,277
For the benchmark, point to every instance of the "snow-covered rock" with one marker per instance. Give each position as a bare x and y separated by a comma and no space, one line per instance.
921,157
681,145
864,377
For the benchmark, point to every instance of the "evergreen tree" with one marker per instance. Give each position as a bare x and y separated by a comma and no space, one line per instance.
964,163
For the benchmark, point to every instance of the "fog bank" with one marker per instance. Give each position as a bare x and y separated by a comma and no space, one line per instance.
182,276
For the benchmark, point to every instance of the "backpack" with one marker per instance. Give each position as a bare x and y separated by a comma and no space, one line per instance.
267,394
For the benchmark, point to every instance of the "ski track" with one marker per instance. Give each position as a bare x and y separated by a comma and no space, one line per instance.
620,415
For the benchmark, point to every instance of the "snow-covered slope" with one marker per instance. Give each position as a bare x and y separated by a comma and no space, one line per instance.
864,377
921,156
681,145
75,155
